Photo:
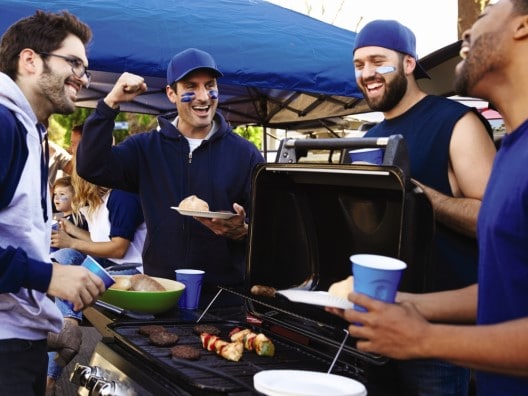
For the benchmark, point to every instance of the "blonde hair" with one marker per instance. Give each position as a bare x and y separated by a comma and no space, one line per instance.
86,195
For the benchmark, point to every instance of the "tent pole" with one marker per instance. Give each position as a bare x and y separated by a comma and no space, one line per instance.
265,142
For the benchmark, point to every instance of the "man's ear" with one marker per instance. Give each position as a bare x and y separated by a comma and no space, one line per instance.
171,94
521,29
409,64
27,60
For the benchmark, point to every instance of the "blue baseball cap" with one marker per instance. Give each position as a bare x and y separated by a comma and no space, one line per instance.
190,60
392,35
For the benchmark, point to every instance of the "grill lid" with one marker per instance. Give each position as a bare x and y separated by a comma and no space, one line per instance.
307,219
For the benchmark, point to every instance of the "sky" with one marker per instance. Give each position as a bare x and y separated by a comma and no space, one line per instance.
434,22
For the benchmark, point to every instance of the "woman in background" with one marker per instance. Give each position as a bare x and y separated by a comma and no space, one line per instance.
115,237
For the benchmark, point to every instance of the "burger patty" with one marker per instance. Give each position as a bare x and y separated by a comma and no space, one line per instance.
205,328
185,352
163,338
149,329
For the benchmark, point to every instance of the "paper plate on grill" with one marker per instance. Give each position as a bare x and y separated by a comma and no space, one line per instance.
199,213
321,298
306,383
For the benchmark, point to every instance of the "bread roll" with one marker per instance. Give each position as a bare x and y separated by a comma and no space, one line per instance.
194,203
342,288
122,283
142,282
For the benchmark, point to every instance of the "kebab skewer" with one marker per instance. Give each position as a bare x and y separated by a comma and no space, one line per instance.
259,343
228,350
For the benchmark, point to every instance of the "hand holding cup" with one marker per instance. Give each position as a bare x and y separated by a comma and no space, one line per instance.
376,276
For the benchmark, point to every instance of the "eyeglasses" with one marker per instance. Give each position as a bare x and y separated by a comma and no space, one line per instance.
76,64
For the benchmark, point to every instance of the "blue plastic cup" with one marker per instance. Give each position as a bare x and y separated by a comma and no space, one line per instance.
367,155
192,279
376,276
54,227
97,269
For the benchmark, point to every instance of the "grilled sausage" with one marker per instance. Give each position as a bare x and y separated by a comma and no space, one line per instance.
264,291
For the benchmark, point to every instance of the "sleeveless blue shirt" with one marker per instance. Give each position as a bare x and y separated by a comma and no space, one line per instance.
427,128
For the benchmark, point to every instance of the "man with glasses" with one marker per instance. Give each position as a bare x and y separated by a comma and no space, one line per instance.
194,153
42,68
77,66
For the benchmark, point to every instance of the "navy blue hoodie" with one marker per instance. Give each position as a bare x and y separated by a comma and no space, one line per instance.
158,166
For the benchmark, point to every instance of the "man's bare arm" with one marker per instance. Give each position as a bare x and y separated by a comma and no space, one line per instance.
471,155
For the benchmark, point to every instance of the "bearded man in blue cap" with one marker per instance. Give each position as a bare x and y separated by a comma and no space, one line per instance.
194,153
451,155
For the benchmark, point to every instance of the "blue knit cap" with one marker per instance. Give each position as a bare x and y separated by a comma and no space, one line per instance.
391,35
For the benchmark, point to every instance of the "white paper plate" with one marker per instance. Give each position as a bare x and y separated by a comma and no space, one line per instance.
306,383
210,215
321,298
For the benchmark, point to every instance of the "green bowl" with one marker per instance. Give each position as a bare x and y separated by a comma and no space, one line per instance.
145,301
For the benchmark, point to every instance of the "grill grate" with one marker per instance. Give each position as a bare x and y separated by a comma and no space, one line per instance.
214,374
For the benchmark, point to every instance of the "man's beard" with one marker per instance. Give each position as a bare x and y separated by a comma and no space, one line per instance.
394,92
53,88
479,62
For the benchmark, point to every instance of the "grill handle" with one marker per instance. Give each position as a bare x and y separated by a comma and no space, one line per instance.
395,149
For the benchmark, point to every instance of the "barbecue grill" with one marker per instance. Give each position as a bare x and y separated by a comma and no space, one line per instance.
307,219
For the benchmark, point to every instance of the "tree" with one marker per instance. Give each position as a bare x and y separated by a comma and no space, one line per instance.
468,12
252,133
60,125
59,128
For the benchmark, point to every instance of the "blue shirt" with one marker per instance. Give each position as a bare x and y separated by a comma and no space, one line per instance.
160,168
503,247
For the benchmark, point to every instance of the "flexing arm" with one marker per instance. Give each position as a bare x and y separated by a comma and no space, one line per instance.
126,88
471,155
96,160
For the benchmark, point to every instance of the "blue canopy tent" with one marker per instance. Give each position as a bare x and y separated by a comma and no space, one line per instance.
281,68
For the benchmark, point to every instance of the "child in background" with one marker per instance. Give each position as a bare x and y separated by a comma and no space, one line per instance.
63,194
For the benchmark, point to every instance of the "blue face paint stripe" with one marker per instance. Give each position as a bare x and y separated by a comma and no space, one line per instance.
379,70
213,94
187,97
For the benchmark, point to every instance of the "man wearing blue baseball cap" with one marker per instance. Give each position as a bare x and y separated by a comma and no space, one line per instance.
488,328
451,156
193,153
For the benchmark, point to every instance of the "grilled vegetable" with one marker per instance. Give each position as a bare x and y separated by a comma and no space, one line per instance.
228,350
259,343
